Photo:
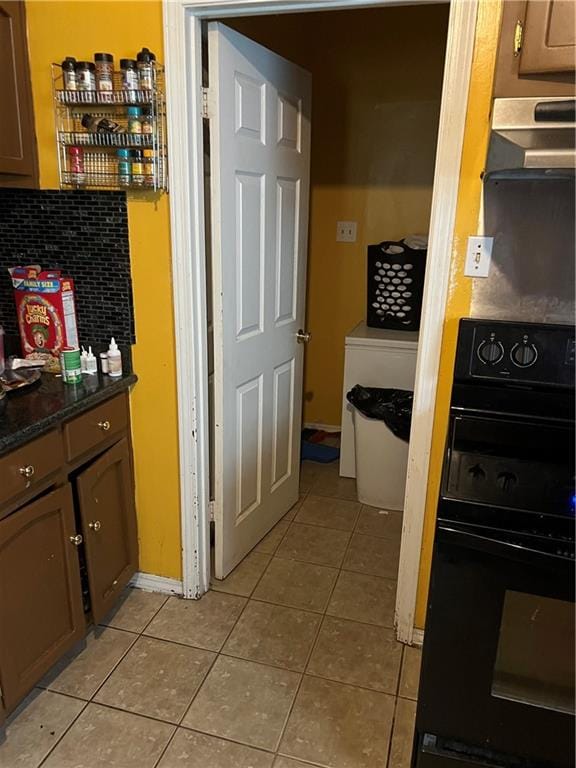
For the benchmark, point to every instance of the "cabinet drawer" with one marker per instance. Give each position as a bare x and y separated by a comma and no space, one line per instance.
28,466
88,431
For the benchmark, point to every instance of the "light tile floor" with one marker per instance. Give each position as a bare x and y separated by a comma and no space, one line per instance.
289,662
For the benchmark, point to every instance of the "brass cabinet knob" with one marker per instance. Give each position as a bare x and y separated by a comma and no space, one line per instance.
95,525
104,425
77,540
27,471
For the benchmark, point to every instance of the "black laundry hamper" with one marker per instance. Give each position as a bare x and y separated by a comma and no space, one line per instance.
395,285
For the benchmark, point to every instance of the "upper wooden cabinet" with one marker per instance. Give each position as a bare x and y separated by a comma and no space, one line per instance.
537,50
549,43
18,155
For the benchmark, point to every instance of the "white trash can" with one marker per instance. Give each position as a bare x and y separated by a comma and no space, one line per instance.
381,463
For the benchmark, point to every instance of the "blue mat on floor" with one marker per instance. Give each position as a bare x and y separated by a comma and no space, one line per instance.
319,452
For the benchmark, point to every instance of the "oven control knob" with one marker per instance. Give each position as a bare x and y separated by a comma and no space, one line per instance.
524,355
506,481
491,352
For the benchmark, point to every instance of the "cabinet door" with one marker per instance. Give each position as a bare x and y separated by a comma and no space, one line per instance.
511,78
41,615
549,37
106,496
17,136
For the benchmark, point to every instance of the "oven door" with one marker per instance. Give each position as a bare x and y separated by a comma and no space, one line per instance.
497,679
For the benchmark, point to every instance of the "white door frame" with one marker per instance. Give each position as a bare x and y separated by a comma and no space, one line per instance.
183,51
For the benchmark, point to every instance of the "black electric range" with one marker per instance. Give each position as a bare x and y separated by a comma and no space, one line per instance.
497,680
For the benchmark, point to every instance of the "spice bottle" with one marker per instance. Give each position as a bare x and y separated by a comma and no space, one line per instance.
148,167
114,359
145,63
129,77
69,73
137,167
104,362
146,120
85,76
124,169
134,124
104,74
76,164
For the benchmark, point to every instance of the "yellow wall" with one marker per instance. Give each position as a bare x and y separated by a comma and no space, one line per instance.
460,290
56,30
376,84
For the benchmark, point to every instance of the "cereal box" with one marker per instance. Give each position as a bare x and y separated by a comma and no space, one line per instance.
46,311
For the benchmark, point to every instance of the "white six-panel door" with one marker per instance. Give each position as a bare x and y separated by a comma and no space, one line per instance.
260,161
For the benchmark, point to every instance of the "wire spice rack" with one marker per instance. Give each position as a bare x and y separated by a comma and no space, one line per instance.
110,160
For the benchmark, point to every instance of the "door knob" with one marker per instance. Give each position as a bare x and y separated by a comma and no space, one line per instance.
104,425
95,525
27,471
77,540
303,337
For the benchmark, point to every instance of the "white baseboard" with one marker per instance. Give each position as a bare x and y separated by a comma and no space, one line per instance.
323,427
417,637
152,583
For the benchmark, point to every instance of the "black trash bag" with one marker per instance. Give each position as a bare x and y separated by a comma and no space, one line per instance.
392,406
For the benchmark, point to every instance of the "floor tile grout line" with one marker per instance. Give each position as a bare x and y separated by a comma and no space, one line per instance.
156,612
47,755
288,714
394,713
310,653
218,653
228,739
197,691
287,606
356,686
228,655
170,740
115,667
116,708
83,648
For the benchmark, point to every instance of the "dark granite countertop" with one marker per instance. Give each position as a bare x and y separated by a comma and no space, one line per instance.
27,414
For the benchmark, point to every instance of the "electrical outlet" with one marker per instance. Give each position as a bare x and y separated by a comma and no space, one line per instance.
478,256
345,231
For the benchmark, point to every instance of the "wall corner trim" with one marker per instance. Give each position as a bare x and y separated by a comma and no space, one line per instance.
418,637
455,91
152,583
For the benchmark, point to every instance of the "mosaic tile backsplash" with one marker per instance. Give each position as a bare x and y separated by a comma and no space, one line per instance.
84,234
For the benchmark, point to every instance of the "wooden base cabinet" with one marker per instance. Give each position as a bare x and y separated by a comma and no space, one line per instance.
106,504
67,530
41,614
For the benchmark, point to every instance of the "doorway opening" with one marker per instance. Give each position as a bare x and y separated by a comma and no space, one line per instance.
183,48
367,165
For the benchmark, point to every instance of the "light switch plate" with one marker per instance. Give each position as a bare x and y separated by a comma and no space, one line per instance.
478,256
345,231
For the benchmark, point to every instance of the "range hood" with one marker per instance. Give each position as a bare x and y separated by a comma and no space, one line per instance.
532,137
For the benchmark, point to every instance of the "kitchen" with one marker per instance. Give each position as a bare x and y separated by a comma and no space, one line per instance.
153,400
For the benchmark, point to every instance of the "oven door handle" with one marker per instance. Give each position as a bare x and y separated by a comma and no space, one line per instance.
496,546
